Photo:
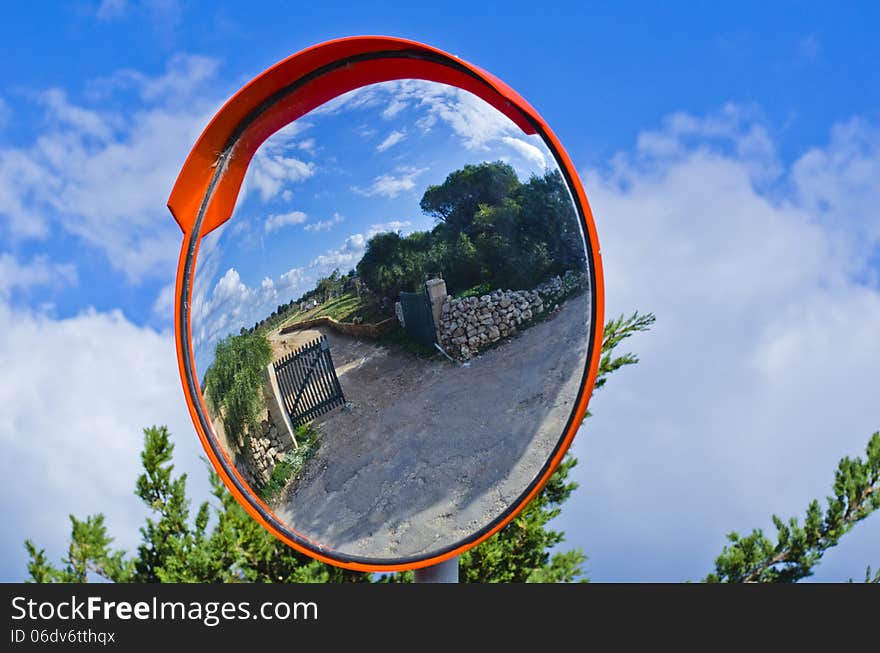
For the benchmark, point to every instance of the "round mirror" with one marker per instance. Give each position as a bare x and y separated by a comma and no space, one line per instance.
392,333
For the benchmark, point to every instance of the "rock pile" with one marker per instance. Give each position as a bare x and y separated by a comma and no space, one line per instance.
559,288
470,324
263,453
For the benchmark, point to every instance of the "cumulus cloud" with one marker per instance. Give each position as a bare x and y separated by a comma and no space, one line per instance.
348,254
391,185
392,139
224,306
366,96
274,168
270,172
384,227
104,178
354,246
761,371
477,125
82,121
40,271
836,183
280,220
76,394
394,108
162,16
528,151
184,72
324,225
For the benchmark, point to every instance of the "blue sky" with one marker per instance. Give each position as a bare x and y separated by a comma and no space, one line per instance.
731,156
320,188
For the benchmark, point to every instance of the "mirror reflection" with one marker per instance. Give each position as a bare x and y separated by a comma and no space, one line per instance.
391,331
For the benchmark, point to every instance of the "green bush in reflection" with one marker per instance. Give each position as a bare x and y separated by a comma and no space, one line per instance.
292,464
234,380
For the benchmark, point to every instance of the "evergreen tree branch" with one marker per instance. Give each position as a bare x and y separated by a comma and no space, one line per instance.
799,548
224,544
616,331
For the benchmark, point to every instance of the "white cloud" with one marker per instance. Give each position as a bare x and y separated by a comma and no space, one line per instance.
105,178
163,306
82,121
394,225
38,272
273,167
162,16
391,185
476,122
395,107
354,246
324,225
366,96
838,182
269,173
307,144
392,139
76,395
184,72
530,152
426,122
231,304
348,254
478,125
761,370
279,220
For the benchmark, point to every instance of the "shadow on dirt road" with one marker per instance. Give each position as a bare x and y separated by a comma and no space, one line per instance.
430,451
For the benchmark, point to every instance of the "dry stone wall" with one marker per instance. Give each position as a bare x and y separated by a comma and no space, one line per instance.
470,324
263,453
266,448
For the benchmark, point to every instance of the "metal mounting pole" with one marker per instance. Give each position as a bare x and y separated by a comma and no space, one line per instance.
444,572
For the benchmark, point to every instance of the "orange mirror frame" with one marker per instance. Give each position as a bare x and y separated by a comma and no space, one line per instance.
208,185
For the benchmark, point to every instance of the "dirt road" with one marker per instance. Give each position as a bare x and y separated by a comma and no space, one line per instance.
430,451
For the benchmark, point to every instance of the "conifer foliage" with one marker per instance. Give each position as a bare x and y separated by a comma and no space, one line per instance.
222,543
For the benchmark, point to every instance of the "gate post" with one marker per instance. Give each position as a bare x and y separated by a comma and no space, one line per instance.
275,406
436,291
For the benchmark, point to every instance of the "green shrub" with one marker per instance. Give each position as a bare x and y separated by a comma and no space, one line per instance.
293,463
233,383
475,291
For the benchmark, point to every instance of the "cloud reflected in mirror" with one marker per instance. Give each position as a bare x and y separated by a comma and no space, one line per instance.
392,329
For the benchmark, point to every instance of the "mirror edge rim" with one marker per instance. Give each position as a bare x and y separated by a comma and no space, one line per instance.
245,497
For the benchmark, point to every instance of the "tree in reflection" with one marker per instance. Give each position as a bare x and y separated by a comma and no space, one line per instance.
492,230
234,380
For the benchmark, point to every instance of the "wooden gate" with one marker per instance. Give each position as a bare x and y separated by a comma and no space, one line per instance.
308,383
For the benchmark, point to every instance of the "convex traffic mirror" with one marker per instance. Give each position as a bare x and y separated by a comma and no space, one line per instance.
389,301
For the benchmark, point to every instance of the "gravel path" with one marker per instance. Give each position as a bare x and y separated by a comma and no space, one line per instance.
431,451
